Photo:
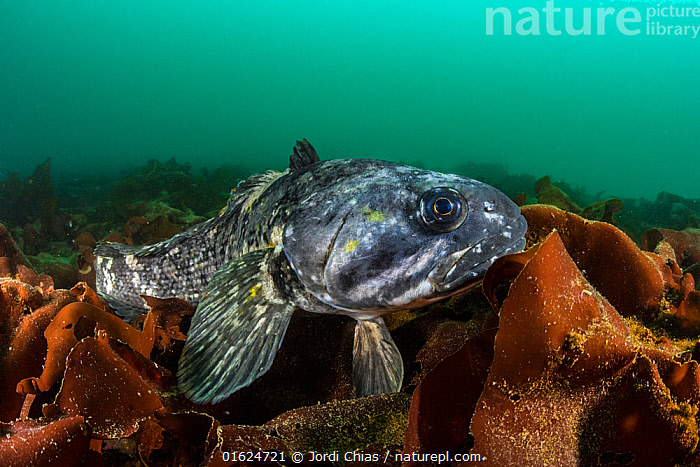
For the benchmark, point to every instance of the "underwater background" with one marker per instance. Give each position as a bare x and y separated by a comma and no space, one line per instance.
99,86
131,122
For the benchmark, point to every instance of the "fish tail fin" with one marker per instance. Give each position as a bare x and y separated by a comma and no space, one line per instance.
236,331
112,274
179,267
377,366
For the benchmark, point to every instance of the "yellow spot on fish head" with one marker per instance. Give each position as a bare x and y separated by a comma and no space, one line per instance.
372,216
351,245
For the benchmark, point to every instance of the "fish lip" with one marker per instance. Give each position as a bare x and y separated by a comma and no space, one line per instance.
459,282
441,286
454,265
437,276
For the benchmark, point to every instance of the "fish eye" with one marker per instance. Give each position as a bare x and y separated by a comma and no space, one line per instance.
443,206
443,209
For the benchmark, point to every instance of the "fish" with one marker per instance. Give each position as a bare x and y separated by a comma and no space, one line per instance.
354,237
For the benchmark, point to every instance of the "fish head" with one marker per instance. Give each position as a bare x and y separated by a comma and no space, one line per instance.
393,237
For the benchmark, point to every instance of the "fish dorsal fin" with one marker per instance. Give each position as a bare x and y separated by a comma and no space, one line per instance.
236,330
250,189
304,154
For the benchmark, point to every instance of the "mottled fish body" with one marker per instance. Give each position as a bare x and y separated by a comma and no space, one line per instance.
355,237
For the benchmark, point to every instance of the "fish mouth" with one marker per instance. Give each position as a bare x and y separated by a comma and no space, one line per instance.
465,268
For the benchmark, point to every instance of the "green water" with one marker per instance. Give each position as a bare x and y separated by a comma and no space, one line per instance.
98,85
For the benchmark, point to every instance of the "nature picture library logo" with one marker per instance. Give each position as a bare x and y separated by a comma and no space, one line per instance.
680,19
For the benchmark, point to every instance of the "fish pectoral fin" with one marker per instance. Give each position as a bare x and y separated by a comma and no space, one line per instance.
236,331
377,366
124,310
